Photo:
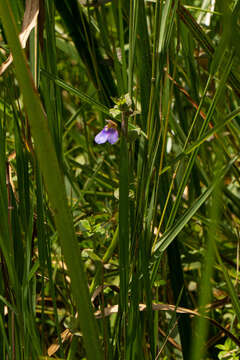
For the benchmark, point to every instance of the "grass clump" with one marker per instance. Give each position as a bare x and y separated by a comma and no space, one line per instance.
127,250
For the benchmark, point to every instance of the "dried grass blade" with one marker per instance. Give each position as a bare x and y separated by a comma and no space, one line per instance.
29,22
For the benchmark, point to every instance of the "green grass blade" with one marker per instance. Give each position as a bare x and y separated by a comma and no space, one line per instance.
170,234
54,183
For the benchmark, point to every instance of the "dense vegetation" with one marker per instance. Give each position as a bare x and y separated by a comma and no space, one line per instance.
128,248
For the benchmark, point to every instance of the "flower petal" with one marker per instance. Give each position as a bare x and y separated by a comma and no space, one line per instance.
101,137
112,136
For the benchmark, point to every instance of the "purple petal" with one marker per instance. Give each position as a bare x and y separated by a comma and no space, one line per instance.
112,136
102,137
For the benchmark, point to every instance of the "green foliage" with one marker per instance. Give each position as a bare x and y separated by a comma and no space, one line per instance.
124,251
228,350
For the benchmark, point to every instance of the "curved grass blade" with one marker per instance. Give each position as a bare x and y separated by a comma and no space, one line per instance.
55,186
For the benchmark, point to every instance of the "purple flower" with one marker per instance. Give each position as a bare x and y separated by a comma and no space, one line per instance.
109,133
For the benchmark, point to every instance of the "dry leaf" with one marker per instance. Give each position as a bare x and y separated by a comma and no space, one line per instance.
66,334
29,22
166,307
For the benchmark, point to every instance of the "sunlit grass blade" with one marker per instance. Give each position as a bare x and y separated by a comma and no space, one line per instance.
173,231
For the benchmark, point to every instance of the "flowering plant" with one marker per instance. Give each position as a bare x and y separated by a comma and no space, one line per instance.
108,133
